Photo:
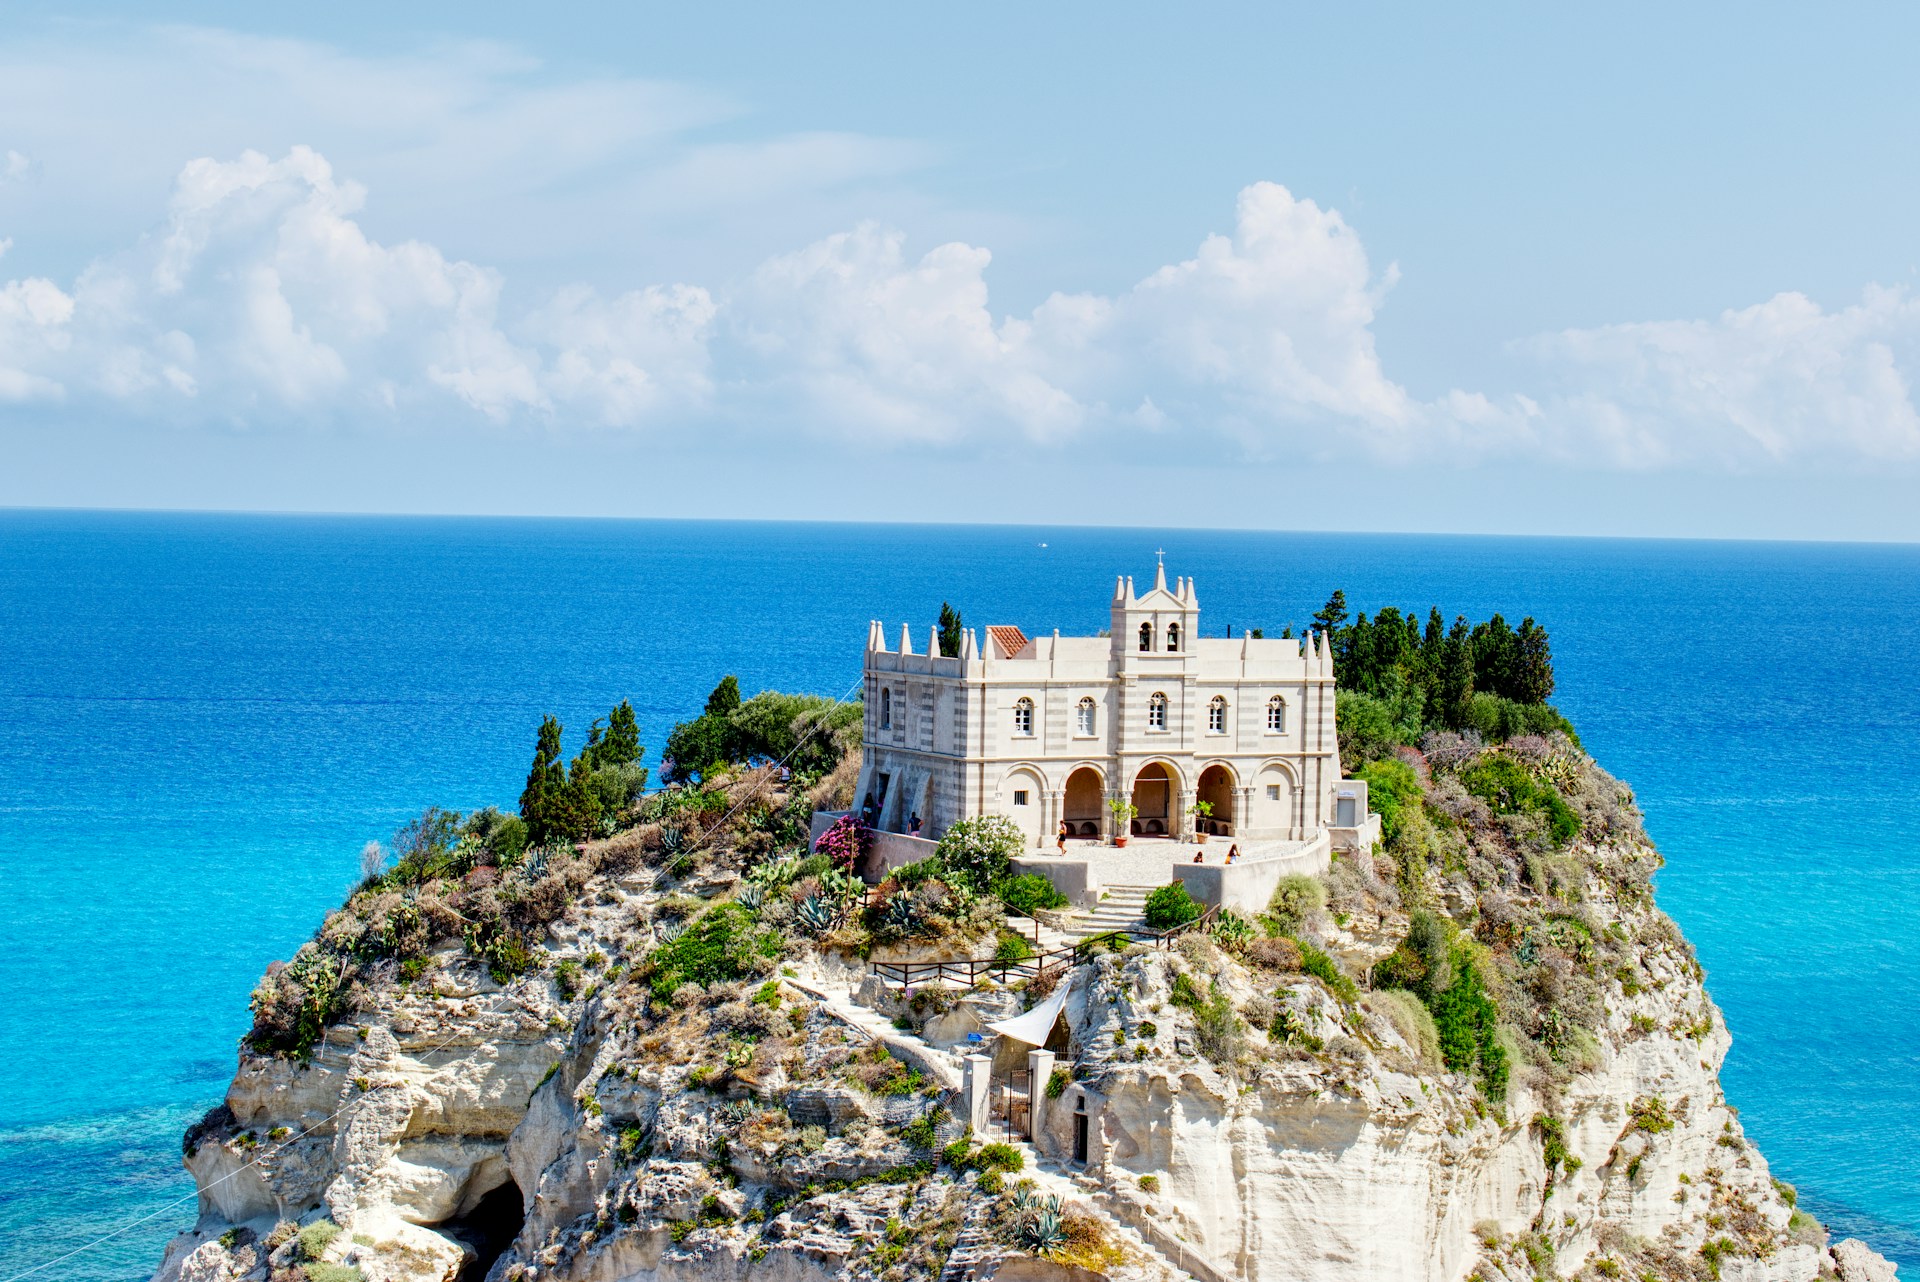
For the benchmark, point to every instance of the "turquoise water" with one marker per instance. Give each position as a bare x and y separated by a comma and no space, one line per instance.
203,717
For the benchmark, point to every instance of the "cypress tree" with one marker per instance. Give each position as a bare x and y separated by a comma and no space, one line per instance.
725,699
1533,664
1493,657
545,780
949,631
1456,673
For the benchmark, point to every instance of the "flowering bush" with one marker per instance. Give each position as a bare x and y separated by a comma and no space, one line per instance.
845,842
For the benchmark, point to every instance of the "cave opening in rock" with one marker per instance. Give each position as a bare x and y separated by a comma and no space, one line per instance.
489,1228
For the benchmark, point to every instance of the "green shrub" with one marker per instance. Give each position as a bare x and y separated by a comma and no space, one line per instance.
1004,1158
1650,1114
1171,906
1322,967
1422,962
1028,892
1499,719
1184,991
1508,789
1013,947
1369,728
333,1273
566,976
1217,1031
980,851
718,948
314,1239
1392,790
1469,1023
1057,1084
1297,900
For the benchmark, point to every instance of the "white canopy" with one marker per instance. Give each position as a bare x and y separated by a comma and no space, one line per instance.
1034,1027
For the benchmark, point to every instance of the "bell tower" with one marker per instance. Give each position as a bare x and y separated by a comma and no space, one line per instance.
1154,631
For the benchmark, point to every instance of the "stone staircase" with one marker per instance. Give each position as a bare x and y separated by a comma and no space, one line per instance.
1120,908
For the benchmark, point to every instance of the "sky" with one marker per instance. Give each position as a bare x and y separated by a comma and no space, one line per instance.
1623,270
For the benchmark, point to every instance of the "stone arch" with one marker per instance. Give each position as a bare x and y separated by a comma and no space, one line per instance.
1156,796
1219,788
1084,802
1023,799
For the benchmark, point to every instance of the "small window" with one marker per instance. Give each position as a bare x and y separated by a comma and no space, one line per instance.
1019,796
1173,637
1086,716
886,709
1277,715
1217,715
1146,637
1157,712
1273,792
1023,717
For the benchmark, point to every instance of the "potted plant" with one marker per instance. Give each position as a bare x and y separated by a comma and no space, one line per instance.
1123,813
1202,811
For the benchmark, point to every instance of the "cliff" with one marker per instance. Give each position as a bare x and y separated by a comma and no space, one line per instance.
1481,1051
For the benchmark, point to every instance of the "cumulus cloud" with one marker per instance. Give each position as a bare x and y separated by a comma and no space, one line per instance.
1777,382
1264,331
262,298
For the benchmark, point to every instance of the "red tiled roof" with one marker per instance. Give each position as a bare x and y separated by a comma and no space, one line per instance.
1008,641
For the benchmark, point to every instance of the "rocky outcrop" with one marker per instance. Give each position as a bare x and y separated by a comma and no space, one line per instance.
1245,1120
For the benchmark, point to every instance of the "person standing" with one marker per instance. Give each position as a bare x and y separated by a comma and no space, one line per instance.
1060,841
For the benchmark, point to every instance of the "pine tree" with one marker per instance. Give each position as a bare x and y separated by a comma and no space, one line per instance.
545,781
1333,615
622,744
725,699
949,631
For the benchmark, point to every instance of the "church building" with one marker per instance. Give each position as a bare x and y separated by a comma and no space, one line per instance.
1152,715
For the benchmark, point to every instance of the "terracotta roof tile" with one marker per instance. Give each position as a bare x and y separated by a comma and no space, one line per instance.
1007,641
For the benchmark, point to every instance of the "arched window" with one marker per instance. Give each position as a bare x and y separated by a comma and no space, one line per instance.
1173,637
1157,712
1217,715
1086,716
1277,715
1146,637
886,709
1023,717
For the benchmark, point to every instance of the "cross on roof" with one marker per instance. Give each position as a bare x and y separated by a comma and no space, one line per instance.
1161,553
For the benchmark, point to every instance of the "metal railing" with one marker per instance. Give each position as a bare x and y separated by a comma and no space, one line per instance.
967,973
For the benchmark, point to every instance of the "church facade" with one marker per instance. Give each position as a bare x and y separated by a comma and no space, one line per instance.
1153,715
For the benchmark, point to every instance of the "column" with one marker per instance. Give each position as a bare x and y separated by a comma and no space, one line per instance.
977,1081
1039,1071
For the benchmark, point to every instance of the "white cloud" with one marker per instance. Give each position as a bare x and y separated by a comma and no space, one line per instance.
1778,382
262,297
14,166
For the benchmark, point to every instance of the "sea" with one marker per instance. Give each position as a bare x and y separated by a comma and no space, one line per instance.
204,717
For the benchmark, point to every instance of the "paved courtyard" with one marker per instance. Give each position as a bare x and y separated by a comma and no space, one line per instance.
1149,861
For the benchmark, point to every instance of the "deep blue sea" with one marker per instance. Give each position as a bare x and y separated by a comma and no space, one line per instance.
203,717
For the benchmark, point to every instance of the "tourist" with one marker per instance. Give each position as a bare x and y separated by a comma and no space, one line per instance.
1199,856
869,810
1061,840
913,825
1233,853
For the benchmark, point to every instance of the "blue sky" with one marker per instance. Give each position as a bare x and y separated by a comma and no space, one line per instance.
1524,269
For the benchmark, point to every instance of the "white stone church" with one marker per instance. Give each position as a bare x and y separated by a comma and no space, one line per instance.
1049,729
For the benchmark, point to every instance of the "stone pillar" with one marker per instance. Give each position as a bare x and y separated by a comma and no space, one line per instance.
1182,824
977,1081
1039,1070
1056,814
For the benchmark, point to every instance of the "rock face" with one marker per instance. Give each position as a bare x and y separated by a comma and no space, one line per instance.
797,1122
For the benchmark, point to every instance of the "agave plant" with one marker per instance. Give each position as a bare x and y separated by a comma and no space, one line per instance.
668,931
673,841
901,917
1041,1232
752,896
815,915
1023,1198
